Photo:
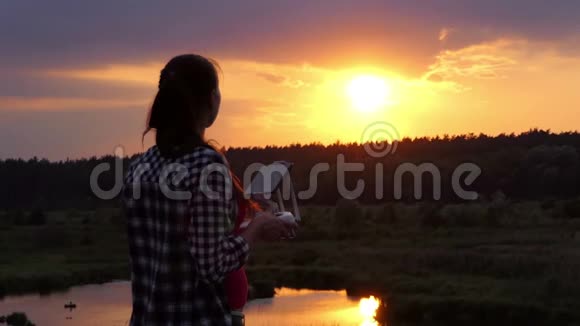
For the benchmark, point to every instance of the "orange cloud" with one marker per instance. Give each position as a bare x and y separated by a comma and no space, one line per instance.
487,60
147,73
464,90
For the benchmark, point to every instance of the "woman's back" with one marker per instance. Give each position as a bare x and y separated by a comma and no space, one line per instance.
168,286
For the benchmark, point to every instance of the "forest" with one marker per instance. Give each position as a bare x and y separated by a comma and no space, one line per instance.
537,164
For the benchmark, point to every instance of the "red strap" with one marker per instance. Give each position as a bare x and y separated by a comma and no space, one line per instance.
242,211
236,282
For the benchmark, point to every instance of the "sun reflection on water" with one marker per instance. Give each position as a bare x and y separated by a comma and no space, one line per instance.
110,304
368,310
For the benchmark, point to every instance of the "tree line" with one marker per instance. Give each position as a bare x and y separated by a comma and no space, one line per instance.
537,164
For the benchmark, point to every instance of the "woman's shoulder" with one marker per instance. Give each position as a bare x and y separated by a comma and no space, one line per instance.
149,156
203,155
198,153
196,158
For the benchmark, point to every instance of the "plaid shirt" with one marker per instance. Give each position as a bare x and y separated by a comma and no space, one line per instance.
181,246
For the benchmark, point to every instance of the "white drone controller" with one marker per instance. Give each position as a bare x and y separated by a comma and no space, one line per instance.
261,187
286,217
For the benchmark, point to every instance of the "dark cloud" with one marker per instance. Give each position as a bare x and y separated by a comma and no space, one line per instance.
66,32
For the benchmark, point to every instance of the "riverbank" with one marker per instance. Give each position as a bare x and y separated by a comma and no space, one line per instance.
523,269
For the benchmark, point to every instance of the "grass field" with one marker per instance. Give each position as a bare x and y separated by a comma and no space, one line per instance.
515,264
71,248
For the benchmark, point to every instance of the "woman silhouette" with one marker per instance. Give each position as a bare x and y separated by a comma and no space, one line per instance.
181,211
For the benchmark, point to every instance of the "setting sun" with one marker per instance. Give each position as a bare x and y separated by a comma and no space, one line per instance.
368,93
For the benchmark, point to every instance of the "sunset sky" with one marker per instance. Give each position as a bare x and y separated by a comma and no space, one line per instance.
77,77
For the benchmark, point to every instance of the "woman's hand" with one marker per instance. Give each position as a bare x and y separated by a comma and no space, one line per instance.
267,227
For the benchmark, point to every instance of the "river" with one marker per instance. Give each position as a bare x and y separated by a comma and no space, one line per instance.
110,304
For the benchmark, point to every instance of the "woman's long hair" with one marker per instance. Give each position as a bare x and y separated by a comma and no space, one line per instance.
184,97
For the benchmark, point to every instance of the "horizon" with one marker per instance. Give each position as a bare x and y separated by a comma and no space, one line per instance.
225,149
81,84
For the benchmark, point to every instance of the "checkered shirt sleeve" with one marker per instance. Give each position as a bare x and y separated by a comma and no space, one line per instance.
215,249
